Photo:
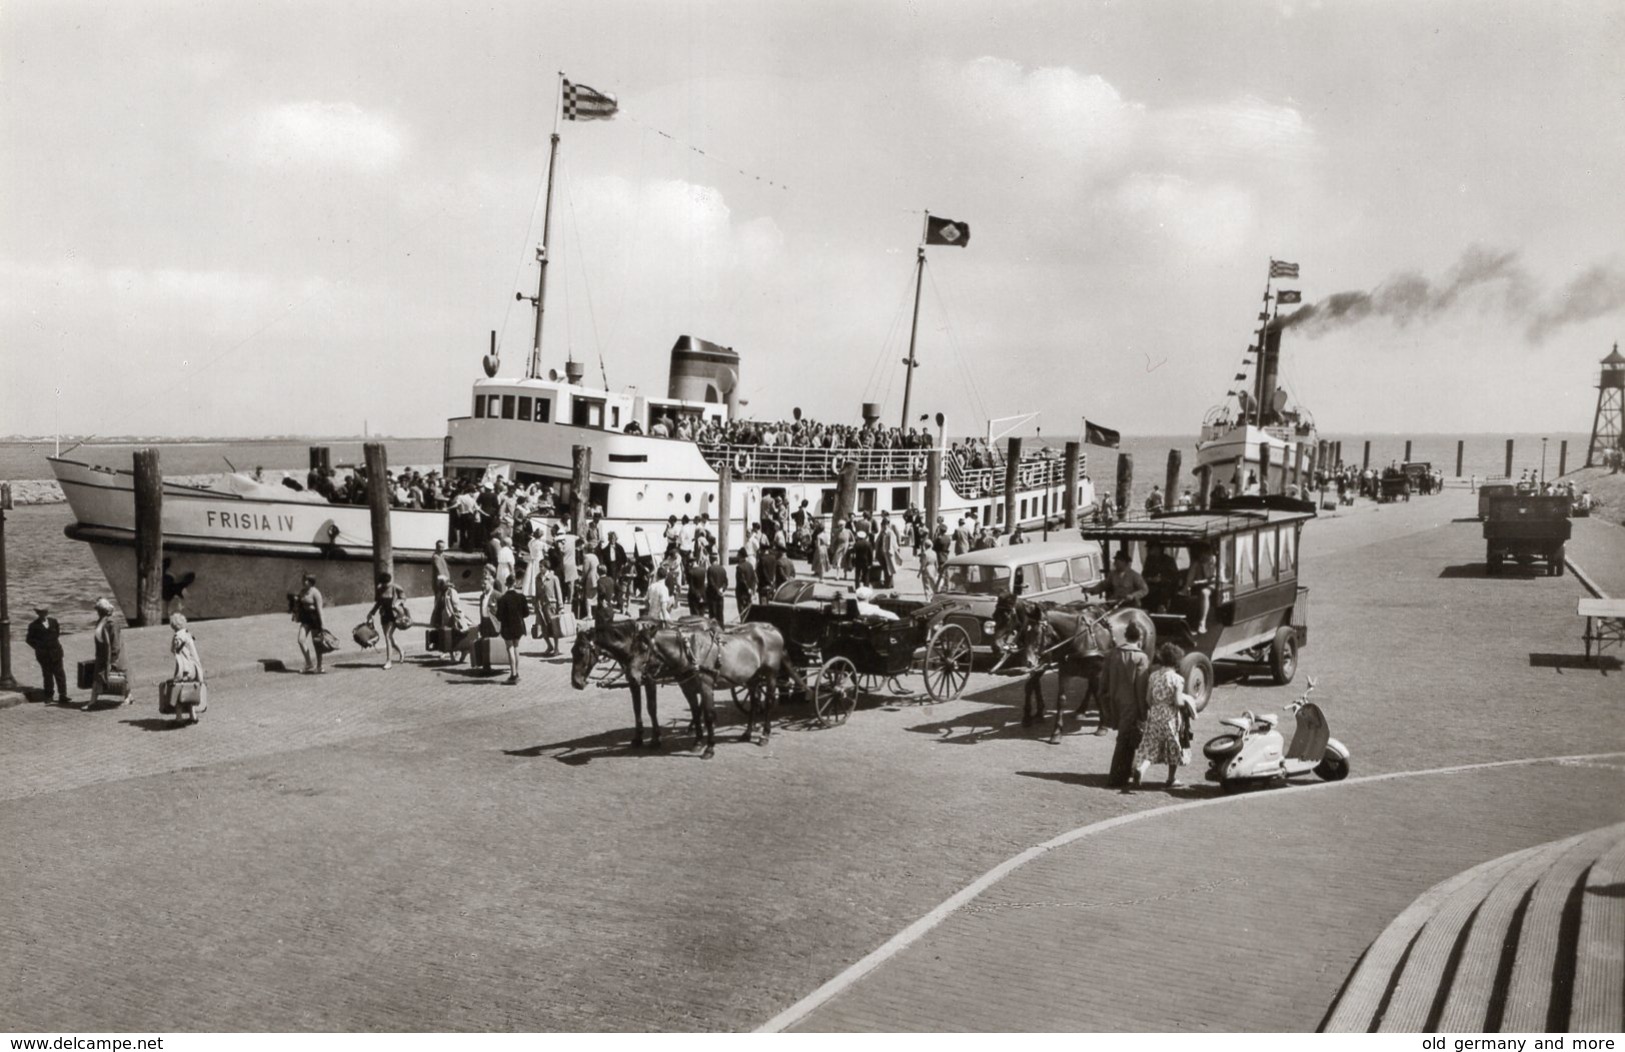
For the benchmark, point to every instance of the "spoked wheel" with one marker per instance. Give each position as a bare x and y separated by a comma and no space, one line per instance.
947,663
835,691
741,699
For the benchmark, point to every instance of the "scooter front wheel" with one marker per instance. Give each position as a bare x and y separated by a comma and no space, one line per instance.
1333,767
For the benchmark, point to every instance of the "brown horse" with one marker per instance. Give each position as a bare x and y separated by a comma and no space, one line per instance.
1073,639
615,638
750,655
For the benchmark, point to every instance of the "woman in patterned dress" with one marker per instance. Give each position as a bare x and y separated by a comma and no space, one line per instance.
1168,706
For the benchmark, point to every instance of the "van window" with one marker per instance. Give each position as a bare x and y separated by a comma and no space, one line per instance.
1083,569
976,580
1031,580
1055,575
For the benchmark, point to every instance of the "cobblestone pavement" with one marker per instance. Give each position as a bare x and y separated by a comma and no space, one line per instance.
427,849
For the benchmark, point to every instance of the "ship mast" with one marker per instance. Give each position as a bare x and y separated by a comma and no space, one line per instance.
909,363
533,369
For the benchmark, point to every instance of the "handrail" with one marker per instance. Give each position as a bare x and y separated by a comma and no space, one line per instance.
802,462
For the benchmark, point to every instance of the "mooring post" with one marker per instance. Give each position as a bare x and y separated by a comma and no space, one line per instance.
1125,482
1407,459
383,549
1012,474
725,493
1297,468
1337,455
1461,448
1509,458
149,538
1170,484
6,681
846,491
1365,460
1070,503
1563,458
933,491
1204,480
581,486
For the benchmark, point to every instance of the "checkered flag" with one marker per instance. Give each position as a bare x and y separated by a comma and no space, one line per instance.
582,103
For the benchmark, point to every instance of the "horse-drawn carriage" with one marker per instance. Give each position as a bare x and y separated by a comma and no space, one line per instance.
842,652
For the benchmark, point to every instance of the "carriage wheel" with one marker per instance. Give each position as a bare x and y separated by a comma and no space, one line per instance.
835,691
741,698
947,663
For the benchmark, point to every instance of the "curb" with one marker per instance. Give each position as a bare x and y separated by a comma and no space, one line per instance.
10,698
1591,586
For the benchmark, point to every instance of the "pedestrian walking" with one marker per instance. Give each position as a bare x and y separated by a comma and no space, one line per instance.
449,620
694,581
549,604
716,589
1124,683
511,610
45,639
438,565
744,581
820,551
1167,708
928,569
385,598
111,675
308,612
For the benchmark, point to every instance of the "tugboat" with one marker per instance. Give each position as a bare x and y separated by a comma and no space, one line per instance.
242,549
1259,443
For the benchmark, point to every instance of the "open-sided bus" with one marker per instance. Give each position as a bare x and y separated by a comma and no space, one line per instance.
1258,612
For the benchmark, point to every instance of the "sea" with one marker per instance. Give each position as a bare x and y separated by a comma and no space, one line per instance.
44,566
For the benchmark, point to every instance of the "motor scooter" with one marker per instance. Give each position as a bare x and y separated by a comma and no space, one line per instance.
1251,755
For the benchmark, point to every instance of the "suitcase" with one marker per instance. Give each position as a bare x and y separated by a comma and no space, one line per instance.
111,685
567,624
490,653
447,640
191,694
86,675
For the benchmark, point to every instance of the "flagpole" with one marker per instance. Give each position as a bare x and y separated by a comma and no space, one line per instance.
914,327
534,371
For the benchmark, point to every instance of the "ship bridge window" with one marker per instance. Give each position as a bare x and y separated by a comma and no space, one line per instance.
615,416
507,407
479,407
587,412
524,407
544,410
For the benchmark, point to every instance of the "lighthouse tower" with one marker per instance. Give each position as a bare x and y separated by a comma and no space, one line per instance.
1608,427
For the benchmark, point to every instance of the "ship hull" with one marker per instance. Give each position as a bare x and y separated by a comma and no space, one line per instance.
230,556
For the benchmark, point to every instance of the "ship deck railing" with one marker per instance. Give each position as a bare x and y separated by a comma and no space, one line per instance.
795,463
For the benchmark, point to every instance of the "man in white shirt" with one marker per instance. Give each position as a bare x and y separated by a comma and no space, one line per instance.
685,542
662,601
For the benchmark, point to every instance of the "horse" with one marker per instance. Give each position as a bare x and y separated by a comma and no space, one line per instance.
1074,639
615,638
750,655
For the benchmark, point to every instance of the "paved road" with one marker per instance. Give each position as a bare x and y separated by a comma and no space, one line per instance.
425,849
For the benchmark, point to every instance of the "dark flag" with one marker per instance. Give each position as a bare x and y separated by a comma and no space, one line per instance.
946,232
1286,296
1096,435
582,103
1241,376
1283,270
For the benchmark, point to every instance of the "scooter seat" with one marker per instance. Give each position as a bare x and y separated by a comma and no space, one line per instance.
1268,722
1238,722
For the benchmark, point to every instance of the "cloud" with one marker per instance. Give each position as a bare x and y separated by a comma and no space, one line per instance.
321,135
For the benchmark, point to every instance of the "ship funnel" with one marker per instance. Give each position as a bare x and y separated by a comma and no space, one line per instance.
1268,374
871,413
702,371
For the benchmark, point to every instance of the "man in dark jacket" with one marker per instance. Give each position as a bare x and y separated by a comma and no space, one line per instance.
863,558
716,587
1123,702
767,572
615,566
695,578
45,638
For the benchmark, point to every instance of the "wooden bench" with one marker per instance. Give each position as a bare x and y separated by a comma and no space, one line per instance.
1604,624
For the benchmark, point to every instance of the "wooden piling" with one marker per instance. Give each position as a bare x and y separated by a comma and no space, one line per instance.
1509,458
1337,452
725,488
1125,482
581,487
383,548
1204,482
1563,458
149,538
846,491
1461,449
1365,460
1170,493
1012,477
1297,468
1407,459
1070,501
933,491
7,682
1263,469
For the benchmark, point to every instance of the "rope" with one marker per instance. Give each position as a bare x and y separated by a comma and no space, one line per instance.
581,254
695,149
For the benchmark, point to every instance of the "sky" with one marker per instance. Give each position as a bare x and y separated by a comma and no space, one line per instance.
306,218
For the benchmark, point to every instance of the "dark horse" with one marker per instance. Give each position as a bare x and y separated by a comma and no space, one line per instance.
1073,639
750,655
615,638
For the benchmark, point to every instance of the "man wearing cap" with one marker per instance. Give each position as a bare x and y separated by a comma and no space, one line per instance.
45,638
1124,584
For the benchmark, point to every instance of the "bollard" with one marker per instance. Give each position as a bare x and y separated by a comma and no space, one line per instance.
725,490
1509,458
1365,461
1461,448
1563,458
1012,469
383,548
1169,497
149,538
933,491
581,488
1125,482
1263,468
1073,458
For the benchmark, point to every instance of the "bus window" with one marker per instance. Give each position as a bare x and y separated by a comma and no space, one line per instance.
1289,551
1266,556
1246,578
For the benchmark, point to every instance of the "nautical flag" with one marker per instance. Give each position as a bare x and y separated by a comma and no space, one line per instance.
1096,435
946,232
1283,270
582,103
1241,376
1289,296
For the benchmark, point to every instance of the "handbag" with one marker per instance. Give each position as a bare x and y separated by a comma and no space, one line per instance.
566,621
365,635
326,642
403,616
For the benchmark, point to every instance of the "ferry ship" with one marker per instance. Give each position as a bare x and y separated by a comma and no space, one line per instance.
1259,441
241,549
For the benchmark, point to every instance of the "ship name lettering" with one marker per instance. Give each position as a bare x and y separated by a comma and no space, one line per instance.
245,520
